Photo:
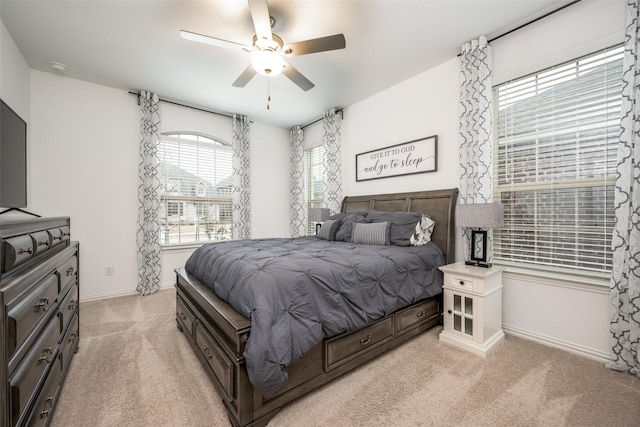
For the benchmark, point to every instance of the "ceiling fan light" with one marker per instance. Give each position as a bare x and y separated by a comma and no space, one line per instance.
267,62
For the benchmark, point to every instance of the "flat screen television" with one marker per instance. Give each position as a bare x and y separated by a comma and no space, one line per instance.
13,159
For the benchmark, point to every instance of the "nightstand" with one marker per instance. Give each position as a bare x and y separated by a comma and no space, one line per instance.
472,307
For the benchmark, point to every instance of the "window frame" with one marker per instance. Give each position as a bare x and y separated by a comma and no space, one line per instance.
607,181
314,163
191,204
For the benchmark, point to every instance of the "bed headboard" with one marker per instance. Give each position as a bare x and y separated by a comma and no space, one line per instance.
440,205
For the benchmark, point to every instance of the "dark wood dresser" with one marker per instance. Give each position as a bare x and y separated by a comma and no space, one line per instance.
39,290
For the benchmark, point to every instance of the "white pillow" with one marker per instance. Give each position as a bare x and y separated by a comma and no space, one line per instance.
423,231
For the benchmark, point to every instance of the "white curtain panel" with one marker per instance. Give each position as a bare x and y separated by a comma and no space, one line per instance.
297,206
333,157
476,128
625,277
241,194
148,233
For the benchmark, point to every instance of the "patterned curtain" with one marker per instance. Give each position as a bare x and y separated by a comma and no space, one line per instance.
625,277
241,197
476,126
148,235
297,206
333,157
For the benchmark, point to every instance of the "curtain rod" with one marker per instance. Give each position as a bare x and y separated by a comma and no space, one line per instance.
532,21
188,106
339,110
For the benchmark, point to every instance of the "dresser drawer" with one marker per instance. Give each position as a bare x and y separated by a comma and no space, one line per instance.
217,360
16,250
70,341
67,272
414,316
25,317
68,307
184,316
33,366
43,409
56,236
460,282
41,242
343,348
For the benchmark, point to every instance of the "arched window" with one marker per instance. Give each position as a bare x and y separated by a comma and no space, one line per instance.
195,178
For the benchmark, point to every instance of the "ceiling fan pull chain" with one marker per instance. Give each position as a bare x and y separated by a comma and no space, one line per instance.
268,92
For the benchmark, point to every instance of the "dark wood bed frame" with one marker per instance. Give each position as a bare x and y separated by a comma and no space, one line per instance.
218,333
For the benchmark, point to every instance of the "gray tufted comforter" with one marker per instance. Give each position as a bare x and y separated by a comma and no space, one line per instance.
298,291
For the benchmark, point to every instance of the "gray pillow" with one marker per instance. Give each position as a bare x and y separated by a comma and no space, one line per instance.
403,225
346,223
329,229
371,233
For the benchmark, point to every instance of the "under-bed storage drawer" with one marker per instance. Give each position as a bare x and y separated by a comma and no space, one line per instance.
343,348
217,360
414,316
185,316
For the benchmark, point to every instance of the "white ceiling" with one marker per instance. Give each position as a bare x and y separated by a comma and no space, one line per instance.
134,45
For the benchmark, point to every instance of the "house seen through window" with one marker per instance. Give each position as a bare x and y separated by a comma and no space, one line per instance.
556,138
195,180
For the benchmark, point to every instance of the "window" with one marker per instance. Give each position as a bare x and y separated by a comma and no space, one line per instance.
195,178
556,141
314,170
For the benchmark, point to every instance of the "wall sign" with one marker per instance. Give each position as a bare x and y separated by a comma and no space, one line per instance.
417,156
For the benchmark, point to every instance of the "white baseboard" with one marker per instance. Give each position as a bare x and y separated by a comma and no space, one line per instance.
119,294
560,344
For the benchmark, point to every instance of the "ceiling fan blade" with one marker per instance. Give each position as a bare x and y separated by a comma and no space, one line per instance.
297,77
245,77
261,19
321,44
188,35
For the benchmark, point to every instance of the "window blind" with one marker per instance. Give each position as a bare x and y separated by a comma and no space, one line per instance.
315,172
195,179
556,137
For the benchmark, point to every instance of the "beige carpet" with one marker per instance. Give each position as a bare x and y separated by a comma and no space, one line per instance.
134,368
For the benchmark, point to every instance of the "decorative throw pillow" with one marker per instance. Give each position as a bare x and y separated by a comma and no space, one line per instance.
423,231
329,229
346,224
371,233
403,225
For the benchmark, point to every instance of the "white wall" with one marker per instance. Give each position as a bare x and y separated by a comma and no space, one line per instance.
84,165
565,311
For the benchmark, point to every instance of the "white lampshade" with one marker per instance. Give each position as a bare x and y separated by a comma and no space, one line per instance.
480,215
267,62
319,214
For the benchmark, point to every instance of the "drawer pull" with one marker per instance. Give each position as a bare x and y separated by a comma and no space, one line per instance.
462,282
44,357
45,243
44,303
45,413
183,316
72,305
421,314
207,352
70,271
72,338
28,250
366,341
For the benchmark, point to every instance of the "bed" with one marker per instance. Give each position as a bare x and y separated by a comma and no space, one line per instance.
255,382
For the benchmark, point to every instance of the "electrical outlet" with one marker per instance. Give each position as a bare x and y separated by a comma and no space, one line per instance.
108,270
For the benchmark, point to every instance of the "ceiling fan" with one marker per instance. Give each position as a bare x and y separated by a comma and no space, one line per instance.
268,48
